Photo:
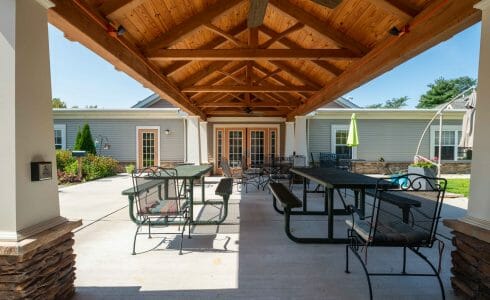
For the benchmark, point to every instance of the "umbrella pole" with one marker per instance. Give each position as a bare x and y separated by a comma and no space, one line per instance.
440,147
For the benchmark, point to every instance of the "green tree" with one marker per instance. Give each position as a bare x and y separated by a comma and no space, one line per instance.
84,140
443,90
57,103
394,103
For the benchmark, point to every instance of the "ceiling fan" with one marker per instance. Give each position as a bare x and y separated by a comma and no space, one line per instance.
257,10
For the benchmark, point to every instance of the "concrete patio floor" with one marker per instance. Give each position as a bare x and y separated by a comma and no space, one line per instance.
248,257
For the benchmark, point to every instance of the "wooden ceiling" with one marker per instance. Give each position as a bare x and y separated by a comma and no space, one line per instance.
228,58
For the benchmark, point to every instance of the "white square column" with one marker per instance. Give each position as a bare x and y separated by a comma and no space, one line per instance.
26,121
289,143
300,137
479,203
193,145
203,134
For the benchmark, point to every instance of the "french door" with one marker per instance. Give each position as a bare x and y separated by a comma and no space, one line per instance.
245,147
148,147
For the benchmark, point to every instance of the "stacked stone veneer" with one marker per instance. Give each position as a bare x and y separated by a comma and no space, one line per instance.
45,270
471,261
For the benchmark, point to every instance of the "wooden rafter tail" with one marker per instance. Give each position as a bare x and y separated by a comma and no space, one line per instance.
251,54
450,19
69,17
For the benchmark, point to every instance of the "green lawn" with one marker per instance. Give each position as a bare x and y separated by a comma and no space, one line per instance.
458,186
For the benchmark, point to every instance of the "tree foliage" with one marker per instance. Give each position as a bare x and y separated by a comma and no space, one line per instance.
57,103
394,103
84,140
443,90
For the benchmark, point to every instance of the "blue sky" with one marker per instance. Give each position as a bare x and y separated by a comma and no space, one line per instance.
81,78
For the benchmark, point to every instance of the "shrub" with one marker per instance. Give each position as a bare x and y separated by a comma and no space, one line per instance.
129,168
99,166
63,159
72,168
64,177
84,140
423,164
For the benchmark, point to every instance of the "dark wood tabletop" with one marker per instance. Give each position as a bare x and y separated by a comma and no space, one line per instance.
334,178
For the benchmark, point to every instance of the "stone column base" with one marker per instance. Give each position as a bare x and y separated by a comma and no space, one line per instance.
39,267
471,260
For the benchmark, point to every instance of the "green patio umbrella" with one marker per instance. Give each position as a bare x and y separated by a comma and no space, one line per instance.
352,138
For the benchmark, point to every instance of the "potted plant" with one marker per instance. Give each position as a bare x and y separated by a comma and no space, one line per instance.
424,168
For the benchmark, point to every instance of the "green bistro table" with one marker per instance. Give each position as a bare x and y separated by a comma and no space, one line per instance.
188,174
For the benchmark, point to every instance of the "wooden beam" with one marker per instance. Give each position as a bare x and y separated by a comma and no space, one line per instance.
328,3
436,23
327,66
396,8
337,37
184,29
251,54
256,12
70,19
247,88
281,35
295,73
276,78
208,71
243,104
214,43
258,81
236,79
109,8
226,35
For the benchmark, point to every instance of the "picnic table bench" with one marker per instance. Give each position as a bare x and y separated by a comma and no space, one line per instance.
223,189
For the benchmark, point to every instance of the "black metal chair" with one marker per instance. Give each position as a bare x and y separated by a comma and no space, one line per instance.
328,160
405,216
152,205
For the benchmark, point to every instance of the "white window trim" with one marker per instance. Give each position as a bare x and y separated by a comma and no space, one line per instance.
333,144
138,143
62,128
434,128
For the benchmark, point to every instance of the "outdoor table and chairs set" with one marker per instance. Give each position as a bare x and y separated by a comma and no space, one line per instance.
403,211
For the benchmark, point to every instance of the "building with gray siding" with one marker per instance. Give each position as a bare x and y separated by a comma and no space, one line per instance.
388,135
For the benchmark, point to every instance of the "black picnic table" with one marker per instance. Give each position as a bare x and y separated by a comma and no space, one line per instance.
334,179
187,173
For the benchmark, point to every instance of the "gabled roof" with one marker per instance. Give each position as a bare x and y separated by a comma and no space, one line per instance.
270,57
154,99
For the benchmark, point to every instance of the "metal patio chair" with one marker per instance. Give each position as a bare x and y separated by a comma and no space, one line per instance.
405,217
240,178
152,203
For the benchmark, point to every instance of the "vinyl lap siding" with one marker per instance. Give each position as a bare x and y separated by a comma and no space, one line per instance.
122,136
394,140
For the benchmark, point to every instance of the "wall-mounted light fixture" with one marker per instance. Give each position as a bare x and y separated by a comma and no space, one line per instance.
167,131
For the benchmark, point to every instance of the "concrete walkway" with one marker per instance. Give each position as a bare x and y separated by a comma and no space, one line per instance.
248,258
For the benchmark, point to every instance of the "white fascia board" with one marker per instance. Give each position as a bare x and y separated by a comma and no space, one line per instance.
246,119
133,113
385,114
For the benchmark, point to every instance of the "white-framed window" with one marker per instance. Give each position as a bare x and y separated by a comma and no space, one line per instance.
451,135
339,142
60,136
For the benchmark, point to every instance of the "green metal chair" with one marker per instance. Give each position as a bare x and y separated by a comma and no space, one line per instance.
152,205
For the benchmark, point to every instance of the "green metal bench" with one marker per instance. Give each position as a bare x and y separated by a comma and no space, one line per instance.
224,189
